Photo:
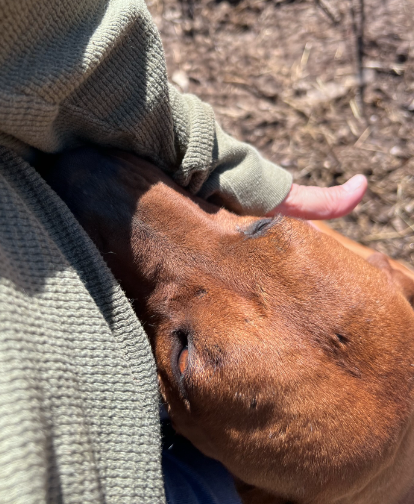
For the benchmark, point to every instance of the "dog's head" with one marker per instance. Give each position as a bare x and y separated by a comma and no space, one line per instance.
293,365
279,352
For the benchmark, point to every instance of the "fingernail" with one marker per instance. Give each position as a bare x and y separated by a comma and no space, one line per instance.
354,183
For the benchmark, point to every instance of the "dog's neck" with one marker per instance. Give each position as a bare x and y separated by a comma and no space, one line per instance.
395,483
409,498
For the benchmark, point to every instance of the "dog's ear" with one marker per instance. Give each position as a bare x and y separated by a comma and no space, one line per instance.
403,282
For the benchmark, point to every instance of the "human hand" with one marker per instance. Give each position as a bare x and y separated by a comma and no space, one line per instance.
321,203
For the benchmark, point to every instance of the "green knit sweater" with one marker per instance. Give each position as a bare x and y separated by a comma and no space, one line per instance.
78,395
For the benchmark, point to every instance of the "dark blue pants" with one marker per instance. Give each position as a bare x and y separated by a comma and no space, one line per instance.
192,478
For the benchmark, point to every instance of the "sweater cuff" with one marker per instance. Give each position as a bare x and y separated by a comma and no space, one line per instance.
252,188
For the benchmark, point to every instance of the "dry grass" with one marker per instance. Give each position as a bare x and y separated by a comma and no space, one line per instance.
286,77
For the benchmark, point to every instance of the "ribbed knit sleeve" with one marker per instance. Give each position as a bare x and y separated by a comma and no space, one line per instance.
79,419
74,72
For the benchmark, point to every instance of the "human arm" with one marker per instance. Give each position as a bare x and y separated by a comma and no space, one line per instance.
93,72
73,73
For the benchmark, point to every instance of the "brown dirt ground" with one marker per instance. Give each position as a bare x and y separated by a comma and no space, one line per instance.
283,76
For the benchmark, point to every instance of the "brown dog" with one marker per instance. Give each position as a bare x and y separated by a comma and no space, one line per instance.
280,352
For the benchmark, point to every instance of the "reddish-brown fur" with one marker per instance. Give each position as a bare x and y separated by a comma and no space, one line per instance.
300,365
